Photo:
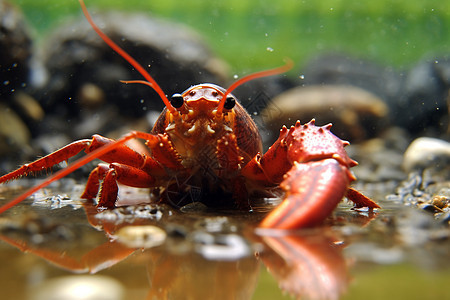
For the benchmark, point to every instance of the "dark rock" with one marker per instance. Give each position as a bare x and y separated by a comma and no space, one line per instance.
77,60
15,50
417,98
18,111
340,69
422,104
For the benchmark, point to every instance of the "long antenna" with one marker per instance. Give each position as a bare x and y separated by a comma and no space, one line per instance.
128,58
279,70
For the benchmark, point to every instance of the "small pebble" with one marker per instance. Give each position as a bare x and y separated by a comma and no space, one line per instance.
79,287
424,152
141,236
227,247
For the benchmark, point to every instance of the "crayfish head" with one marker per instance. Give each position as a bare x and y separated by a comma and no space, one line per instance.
196,116
197,125
201,102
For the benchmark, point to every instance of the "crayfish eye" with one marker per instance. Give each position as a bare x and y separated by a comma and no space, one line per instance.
229,103
177,100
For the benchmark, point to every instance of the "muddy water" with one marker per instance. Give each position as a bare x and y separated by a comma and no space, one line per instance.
56,246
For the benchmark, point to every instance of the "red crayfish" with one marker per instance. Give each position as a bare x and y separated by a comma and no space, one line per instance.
204,138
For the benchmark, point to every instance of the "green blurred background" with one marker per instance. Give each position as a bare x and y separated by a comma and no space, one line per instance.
258,34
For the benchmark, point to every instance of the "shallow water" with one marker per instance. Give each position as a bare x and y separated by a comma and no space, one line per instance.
56,244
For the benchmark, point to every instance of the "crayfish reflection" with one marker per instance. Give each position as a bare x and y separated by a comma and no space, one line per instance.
195,256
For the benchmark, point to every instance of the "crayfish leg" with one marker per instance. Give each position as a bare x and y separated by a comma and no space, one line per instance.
48,161
360,200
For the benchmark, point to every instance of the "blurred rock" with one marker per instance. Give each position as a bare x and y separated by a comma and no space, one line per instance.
426,152
380,158
417,98
14,134
79,287
221,247
341,69
145,236
422,104
15,50
17,111
84,72
355,113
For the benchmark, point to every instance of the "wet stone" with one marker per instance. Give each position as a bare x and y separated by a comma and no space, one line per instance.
79,287
427,190
132,212
380,159
221,224
430,208
221,246
194,207
440,201
176,231
147,236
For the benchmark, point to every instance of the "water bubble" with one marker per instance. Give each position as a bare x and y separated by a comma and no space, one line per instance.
269,49
301,76
6,82
235,76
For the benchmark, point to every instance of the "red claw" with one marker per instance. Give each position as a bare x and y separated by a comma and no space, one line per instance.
318,179
313,190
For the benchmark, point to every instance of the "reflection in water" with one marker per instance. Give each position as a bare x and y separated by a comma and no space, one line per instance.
192,277
187,256
309,265
304,265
